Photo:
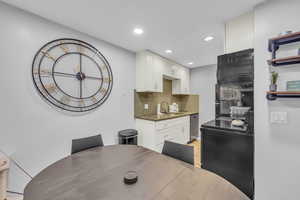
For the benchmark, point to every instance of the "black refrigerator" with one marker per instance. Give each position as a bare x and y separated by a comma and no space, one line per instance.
228,150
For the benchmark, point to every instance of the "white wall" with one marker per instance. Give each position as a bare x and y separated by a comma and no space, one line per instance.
277,147
31,130
203,80
239,33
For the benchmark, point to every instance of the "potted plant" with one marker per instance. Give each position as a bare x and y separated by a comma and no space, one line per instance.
274,78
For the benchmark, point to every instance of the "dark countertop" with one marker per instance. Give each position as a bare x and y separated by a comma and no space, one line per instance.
224,124
164,116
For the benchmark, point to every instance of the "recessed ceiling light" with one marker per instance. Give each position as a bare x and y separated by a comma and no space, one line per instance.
208,38
138,31
169,51
190,63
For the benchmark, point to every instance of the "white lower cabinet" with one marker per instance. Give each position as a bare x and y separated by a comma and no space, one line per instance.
153,134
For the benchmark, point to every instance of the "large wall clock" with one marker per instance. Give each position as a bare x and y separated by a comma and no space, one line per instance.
72,75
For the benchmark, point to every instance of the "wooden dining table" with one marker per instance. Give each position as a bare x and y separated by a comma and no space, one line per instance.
97,174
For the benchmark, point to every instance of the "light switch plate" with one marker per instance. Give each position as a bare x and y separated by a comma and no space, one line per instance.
146,106
278,117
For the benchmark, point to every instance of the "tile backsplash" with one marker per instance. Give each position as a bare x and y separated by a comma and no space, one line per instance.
186,102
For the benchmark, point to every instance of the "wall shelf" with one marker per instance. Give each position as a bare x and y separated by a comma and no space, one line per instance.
282,94
274,45
284,61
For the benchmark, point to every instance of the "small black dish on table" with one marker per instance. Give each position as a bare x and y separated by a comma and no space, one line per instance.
130,177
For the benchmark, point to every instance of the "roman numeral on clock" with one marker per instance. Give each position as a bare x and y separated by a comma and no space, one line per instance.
94,100
81,103
106,80
80,49
64,47
103,90
43,72
65,99
51,88
48,55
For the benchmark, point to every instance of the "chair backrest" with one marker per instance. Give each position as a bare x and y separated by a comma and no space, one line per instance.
86,143
179,151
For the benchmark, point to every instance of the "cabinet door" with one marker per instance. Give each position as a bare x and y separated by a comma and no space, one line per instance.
157,78
148,73
182,85
180,133
185,84
187,81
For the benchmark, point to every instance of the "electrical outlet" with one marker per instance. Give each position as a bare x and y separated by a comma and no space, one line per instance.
146,106
278,117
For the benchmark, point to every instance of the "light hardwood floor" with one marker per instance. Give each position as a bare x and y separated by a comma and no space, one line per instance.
197,154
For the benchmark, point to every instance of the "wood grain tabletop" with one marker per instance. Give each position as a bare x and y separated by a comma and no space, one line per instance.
97,174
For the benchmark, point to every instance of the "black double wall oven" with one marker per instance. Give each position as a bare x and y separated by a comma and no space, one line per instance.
228,150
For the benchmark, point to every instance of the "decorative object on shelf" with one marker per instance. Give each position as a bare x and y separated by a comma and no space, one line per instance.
274,45
130,177
285,33
274,78
293,86
72,75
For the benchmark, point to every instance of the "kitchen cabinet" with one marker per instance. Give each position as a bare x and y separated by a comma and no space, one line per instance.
152,68
148,72
152,134
171,70
182,85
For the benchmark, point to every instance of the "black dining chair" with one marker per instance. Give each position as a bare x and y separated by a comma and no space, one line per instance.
179,151
82,144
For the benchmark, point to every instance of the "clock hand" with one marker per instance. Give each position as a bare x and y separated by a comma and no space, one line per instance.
77,69
64,74
91,77
80,71
80,63
80,88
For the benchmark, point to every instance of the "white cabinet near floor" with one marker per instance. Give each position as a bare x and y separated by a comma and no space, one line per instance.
152,134
149,68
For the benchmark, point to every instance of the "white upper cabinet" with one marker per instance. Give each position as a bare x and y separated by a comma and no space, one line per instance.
182,85
150,69
148,72
171,70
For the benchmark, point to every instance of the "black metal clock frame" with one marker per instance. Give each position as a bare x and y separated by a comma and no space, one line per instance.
37,76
